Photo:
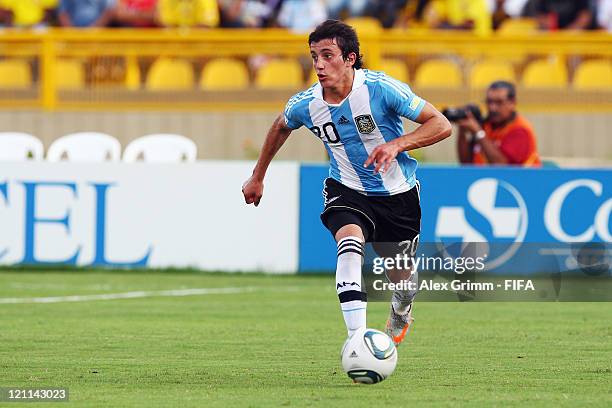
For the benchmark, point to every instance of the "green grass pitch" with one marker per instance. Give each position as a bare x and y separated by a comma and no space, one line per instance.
278,344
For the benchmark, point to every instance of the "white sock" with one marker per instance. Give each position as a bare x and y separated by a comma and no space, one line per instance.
353,300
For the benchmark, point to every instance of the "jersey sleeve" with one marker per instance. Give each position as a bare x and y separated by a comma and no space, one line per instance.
400,99
292,113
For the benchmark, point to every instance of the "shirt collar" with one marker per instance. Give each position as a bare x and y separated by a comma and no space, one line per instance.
358,80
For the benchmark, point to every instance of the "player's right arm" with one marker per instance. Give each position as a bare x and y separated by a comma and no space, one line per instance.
277,135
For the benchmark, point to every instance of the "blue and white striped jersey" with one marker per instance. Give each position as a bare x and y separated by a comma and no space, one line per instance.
369,116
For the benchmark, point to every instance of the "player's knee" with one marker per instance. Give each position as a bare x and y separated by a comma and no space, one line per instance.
349,230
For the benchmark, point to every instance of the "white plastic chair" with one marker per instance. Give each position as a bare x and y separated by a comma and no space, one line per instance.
85,147
161,148
20,146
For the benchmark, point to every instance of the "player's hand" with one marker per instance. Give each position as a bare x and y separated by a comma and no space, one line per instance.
382,156
252,190
470,123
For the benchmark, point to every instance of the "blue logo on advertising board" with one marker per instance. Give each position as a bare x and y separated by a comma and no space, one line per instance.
501,208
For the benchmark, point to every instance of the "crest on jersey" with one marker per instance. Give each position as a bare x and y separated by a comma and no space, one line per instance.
365,123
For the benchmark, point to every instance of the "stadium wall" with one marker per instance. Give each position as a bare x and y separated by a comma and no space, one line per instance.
141,215
193,215
235,135
549,210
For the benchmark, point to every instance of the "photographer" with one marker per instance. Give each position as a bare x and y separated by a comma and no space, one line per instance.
504,137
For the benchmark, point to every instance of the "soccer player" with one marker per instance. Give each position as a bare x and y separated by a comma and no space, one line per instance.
372,194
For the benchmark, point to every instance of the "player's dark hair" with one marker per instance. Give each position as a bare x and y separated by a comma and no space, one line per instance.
345,37
508,86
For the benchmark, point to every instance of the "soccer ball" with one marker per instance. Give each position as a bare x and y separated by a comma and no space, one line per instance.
368,356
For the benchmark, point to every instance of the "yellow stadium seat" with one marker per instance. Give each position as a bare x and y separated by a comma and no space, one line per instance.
113,71
593,75
170,74
365,25
312,77
545,74
15,74
514,26
395,68
69,74
438,74
279,74
485,72
132,73
224,73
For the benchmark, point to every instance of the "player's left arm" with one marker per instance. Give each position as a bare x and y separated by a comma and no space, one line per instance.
434,127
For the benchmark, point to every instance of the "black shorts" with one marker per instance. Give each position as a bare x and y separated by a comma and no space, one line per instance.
385,220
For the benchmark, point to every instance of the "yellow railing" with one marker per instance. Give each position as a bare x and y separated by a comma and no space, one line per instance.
43,49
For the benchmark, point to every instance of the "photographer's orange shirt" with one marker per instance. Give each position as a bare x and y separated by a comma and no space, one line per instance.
516,140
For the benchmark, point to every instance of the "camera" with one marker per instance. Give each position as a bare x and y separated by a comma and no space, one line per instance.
456,114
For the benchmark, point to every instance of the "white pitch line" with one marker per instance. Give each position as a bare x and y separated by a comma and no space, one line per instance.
129,295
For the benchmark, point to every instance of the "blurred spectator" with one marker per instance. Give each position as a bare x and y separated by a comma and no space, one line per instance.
461,15
505,137
28,13
564,14
136,13
302,15
415,12
499,13
388,11
512,8
85,13
604,14
337,9
409,15
6,17
248,13
420,8
188,13
505,9
530,9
